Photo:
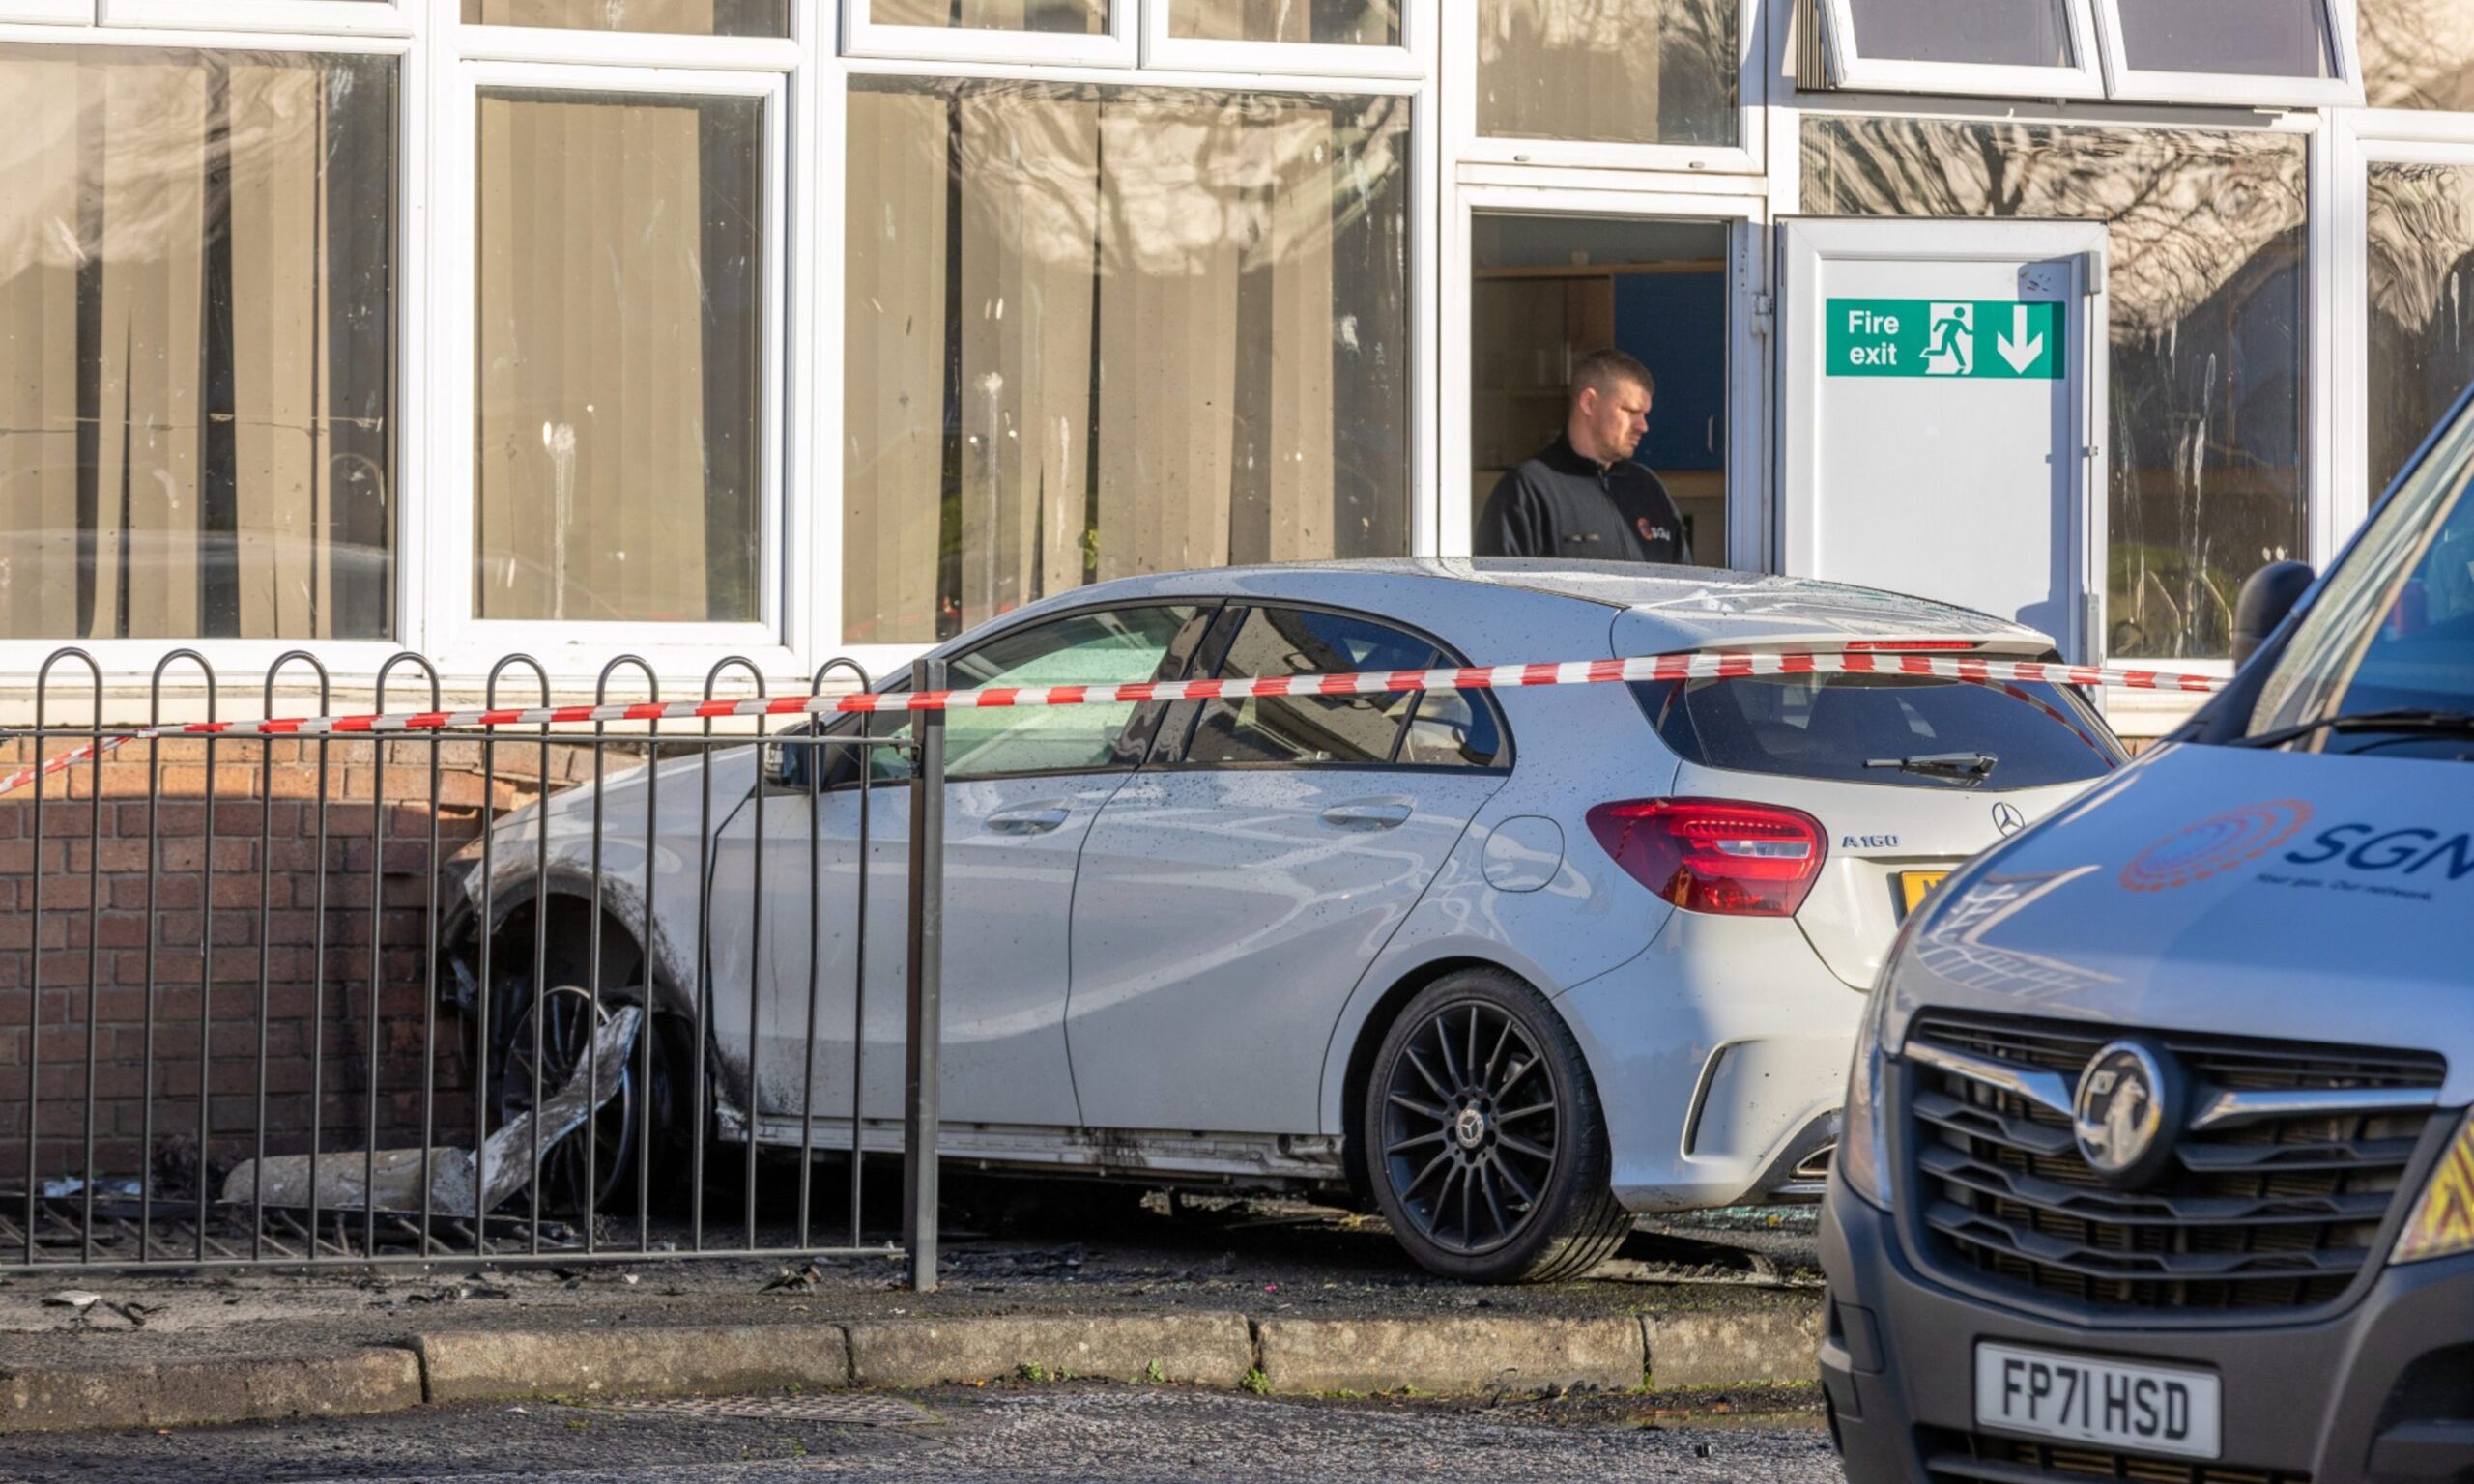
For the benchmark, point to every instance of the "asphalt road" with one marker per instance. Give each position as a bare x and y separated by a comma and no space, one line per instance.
1062,1432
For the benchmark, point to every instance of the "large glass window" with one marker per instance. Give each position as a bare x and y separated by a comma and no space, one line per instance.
197,399
1995,33
2417,54
1077,17
2261,38
2209,291
2037,49
1619,72
1095,331
619,472
2420,299
677,17
1323,22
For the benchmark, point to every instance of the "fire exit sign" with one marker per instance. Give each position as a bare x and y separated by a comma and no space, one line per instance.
1977,339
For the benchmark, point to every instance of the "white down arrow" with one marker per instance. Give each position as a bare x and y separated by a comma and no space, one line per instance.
2019,348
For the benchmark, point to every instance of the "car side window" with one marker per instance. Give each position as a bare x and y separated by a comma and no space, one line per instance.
1450,729
1107,646
1307,730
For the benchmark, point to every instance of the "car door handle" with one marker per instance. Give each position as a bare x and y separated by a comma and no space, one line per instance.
1367,814
1028,820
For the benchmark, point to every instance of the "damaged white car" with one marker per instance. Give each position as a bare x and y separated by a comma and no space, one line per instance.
1508,966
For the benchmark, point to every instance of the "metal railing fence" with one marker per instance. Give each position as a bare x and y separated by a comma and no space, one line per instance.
465,993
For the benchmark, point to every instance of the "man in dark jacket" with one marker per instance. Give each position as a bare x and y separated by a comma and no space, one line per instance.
1583,496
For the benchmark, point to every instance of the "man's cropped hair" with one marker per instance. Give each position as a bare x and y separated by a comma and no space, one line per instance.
1603,371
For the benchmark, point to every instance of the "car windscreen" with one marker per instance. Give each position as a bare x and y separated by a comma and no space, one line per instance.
1909,731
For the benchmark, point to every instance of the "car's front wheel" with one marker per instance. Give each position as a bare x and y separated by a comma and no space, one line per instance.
1483,1137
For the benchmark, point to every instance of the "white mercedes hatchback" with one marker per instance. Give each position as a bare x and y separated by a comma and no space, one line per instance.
1509,966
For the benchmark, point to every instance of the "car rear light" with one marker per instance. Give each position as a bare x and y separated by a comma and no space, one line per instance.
1903,646
1716,855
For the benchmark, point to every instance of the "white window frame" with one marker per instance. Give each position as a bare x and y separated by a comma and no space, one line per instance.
2124,81
386,17
1118,45
1746,220
2359,139
1850,70
241,664
47,13
463,642
1163,50
1745,156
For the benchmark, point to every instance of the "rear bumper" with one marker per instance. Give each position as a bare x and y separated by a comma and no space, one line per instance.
1720,1060
2381,1391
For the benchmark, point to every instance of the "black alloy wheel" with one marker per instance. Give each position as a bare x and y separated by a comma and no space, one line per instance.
568,1020
1469,1127
1486,1146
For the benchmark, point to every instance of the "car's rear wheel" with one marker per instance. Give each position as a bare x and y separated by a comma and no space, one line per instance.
1483,1136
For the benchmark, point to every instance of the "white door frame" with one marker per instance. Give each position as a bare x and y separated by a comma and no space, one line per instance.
1801,355
1749,381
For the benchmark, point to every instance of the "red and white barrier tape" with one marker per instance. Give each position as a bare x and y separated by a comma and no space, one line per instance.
1481,677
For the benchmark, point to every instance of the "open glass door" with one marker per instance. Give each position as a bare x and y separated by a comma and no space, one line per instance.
1554,276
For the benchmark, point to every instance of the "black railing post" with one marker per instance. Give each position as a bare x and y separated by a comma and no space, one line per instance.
926,1021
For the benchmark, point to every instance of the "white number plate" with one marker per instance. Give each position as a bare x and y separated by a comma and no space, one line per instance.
2136,1409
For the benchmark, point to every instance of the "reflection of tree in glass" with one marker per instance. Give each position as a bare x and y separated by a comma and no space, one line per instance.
1628,71
2205,238
2421,293
2417,54
1321,22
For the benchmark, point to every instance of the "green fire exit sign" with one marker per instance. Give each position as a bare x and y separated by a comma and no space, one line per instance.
1983,339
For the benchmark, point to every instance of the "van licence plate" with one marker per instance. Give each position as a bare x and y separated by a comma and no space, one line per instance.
2138,1409
1914,886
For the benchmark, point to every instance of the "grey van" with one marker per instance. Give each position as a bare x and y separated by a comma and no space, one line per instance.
2157,1163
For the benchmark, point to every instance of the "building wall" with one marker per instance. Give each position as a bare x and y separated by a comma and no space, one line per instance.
121,907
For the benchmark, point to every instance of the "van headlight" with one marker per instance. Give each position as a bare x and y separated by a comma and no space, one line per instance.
1863,1156
2442,1224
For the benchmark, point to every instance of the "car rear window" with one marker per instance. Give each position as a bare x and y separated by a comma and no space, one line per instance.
1857,728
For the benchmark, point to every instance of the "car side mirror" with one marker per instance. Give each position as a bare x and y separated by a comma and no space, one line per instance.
787,767
2268,595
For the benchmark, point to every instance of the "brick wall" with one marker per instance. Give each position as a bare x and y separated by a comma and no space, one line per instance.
248,910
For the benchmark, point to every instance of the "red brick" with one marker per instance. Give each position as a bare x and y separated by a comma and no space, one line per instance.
244,892
121,929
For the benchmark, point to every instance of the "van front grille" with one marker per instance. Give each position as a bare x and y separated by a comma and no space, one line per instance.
2263,1213
1952,1456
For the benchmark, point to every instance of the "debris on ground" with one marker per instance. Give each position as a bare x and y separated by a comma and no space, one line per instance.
392,1179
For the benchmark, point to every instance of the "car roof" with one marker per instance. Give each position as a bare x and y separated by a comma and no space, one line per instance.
1649,609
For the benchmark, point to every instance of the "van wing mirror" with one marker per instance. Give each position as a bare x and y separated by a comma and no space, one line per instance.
2267,596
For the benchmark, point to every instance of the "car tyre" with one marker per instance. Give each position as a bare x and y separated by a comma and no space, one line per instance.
1485,1139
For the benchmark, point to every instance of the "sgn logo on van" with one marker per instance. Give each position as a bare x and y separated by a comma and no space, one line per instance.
2240,837
2410,851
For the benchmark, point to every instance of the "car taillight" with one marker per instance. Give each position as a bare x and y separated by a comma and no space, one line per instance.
1716,855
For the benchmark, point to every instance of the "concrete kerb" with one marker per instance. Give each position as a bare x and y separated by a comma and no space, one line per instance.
1450,1355
1442,1354
1208,1349
474,1365
187,1393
